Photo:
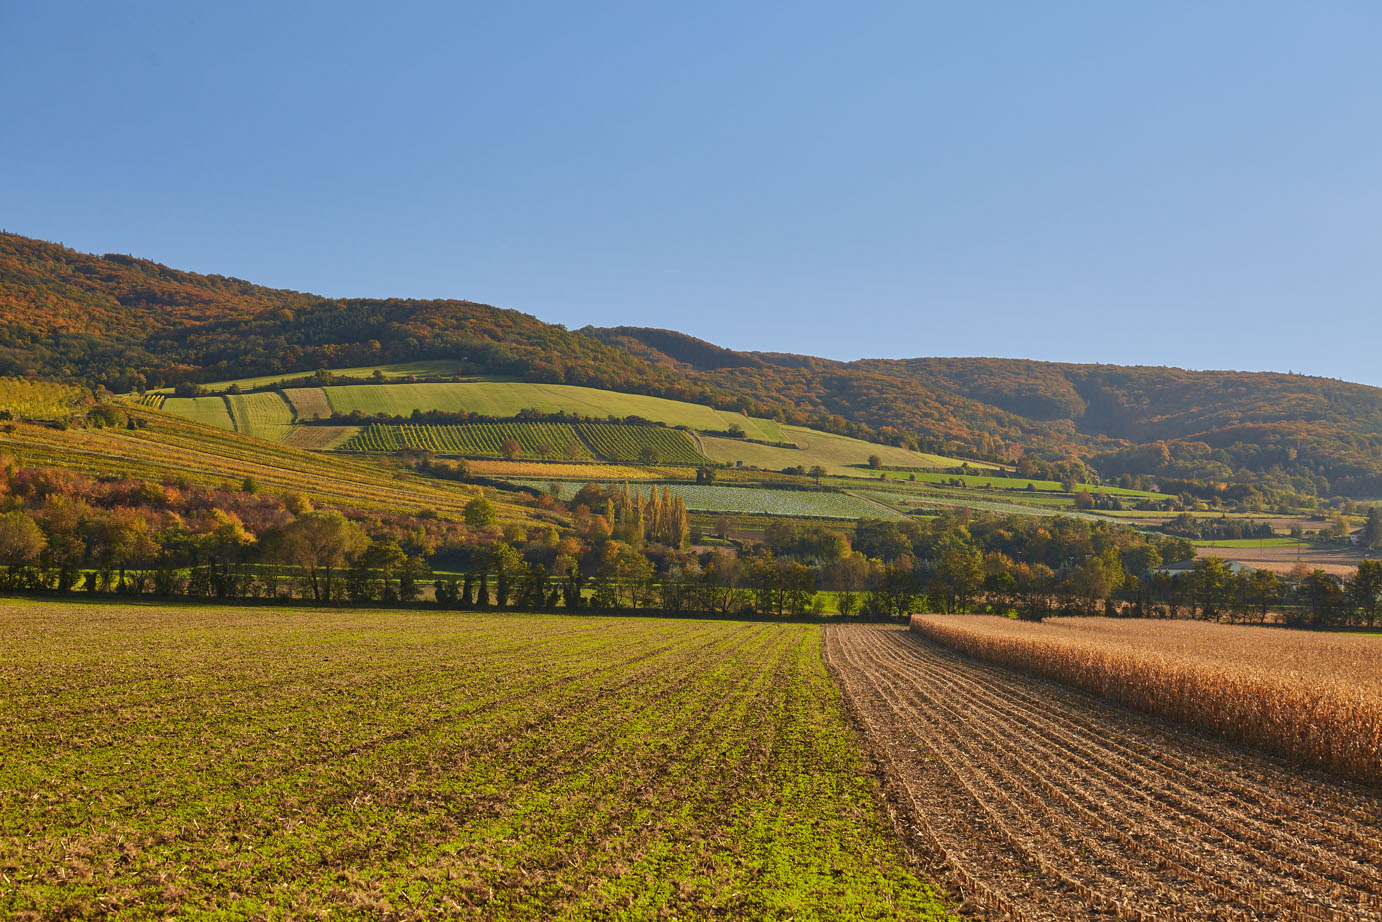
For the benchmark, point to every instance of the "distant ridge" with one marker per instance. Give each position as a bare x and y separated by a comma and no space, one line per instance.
125,323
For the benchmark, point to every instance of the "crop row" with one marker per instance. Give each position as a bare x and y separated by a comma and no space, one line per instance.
363,764
649,444
614,442
179,448
532,440
1334,724
1047,803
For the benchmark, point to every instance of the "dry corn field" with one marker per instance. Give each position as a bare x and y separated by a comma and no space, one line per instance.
1044,802
1312,698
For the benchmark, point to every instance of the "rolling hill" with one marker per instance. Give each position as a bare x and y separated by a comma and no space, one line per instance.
128,323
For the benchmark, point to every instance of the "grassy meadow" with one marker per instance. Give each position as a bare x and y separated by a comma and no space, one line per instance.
289,763
421,369
507,398
838,454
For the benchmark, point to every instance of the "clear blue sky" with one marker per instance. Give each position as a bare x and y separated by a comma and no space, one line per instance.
1195,184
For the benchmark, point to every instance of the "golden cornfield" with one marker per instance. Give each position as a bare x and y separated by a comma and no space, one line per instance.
1315,699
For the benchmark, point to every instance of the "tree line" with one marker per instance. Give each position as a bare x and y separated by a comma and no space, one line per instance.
626,548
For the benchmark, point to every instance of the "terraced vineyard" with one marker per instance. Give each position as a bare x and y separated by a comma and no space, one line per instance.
216,762
535,440
167,447
615,442
425,368
1013,484
1048,803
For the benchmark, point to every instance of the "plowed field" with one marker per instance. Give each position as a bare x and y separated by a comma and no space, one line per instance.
1047,803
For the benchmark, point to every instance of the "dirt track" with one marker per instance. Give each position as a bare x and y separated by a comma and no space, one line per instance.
1046,803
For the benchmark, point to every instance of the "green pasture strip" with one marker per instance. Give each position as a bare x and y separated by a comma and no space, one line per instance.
424,369
838,454
209,410
1277,541
1018,484
214,762
928,501
507,398
266,415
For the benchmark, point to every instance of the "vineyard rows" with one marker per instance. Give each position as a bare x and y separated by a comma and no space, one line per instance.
535,440
1049,803
582,442
620,442
179,448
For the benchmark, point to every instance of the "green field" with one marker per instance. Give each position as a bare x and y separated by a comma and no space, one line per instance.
1019,484
265,415
209,410
237,763
754,500
838,454
506,398
424,369
1277,541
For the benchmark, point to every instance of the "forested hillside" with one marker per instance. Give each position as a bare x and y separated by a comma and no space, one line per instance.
128,323
1314,435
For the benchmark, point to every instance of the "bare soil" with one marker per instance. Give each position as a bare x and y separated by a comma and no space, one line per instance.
1045,803
1340,561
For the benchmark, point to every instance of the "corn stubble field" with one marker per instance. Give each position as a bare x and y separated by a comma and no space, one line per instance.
1313,698
1047,802
294,763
